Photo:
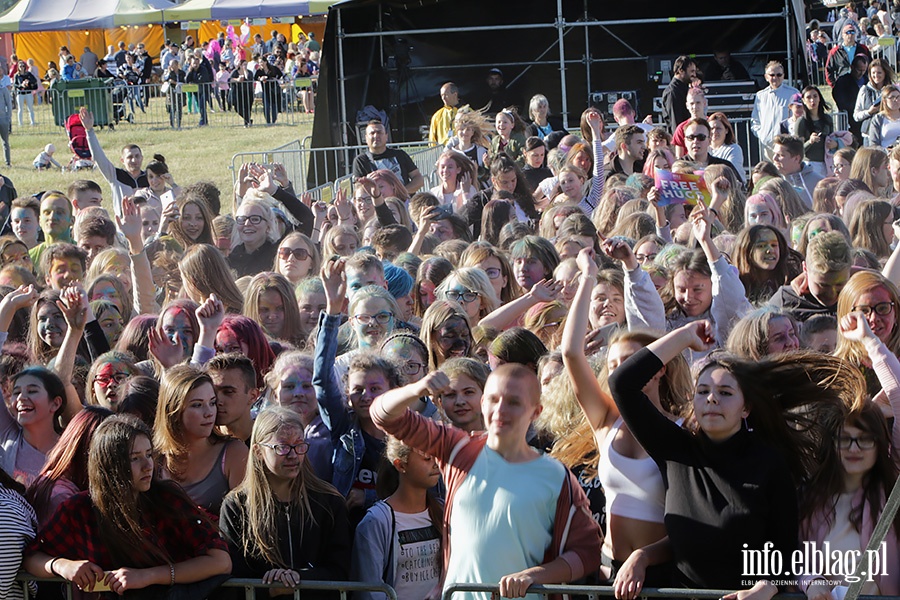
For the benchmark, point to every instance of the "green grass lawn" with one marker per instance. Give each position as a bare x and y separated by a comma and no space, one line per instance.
193,154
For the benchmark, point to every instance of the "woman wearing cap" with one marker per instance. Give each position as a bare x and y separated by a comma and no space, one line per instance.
869,99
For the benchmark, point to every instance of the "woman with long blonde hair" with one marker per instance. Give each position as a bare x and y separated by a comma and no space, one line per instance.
283,523
204,272
269,300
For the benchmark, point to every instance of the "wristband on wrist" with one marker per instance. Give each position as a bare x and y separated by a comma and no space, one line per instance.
52,570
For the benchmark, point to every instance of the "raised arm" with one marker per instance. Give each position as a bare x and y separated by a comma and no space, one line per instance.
107,169
130,225
855,327
394,403
332,406
545,290
597,405
77,312
660,437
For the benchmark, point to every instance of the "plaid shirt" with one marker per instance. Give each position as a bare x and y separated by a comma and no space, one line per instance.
175,525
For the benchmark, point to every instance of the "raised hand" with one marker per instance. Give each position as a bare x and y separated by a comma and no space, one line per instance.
546,290
698,335
586,263
279,173
370,185
87,118
343,205
130,223
595,121
21,297
700,222
855,327
618,249
335,282
168,352
74,305
211,313
434,384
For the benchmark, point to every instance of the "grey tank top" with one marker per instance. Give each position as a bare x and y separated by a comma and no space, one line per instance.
209,492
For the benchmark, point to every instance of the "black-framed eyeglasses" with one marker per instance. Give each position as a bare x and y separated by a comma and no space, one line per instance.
702,137
286,449
382,318
645,257
413,368
297,253
457,296
253,220
863,442
364,199
107,379
882,309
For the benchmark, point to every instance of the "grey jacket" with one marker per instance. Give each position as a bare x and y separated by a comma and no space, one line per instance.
375,548
644,307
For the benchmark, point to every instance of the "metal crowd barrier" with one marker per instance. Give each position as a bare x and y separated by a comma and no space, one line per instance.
158,106
328,164
597,592
250,586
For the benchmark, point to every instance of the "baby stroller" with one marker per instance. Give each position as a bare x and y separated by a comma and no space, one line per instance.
119,94
78,142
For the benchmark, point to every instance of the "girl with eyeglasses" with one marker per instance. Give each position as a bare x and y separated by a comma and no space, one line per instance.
358,443
284,524
106,378
291,383
471,287
876,298
297,258
206,464
496,265
844,499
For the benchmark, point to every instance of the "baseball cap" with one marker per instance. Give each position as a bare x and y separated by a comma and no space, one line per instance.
849,27
495,70
796,99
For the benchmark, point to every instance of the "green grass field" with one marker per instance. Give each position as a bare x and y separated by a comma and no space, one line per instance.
193,154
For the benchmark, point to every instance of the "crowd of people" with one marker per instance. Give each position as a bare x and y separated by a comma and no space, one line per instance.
230,74
537,371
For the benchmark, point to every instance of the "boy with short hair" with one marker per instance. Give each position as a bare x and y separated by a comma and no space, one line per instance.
94,234
63,265
55,219
826,270
24,220
512,515
363,269
83,193
234,379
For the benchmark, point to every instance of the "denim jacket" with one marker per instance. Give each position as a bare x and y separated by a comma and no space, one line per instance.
346,433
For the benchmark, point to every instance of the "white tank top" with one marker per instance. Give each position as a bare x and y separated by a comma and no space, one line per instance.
633,486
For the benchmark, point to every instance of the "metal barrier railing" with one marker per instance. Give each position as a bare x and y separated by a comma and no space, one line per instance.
329,165
250,586
597,592
161,105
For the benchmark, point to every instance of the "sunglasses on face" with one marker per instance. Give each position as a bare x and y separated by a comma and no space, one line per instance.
700,137
297,253
253,219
